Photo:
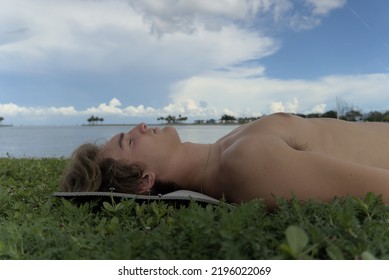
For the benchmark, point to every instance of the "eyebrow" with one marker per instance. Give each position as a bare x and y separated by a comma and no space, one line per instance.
121,140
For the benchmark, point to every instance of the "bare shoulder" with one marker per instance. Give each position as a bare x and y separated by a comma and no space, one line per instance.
247,142
277,120
280,124
243,163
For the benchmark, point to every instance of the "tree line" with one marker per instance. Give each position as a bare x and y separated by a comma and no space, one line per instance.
353,115
94,120
173,119
350,115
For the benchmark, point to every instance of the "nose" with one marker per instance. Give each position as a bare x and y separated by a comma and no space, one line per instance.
142,127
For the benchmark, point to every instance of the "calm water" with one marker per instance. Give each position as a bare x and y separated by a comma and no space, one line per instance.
51,141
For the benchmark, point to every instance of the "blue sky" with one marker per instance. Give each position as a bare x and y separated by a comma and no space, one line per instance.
135,60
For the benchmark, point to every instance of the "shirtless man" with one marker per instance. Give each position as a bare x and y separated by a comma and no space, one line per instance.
277,156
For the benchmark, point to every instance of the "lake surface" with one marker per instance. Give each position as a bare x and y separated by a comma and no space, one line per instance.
60,141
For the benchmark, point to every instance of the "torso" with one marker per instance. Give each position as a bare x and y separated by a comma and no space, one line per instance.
240,153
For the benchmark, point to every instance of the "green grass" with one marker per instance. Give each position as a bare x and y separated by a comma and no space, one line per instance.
34,225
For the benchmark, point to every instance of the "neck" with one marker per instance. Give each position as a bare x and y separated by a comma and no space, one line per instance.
189,166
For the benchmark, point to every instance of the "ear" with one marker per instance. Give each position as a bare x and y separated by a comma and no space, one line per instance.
147,182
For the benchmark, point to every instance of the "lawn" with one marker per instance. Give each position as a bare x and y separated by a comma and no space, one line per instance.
35,225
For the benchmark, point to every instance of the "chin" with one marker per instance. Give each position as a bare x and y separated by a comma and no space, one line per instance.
173,132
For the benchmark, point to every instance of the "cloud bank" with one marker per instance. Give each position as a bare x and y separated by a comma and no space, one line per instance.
213,95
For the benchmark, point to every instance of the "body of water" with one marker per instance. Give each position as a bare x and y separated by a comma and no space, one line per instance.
60,141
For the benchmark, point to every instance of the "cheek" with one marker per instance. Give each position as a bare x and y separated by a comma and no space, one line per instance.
140,152
151,155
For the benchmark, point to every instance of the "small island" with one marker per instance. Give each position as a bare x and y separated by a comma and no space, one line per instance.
4,125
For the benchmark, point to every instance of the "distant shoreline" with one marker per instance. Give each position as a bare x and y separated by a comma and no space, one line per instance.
6,125
163,124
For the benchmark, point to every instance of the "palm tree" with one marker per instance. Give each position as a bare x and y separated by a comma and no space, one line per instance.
374,116
228,119
352,115
330,114
181,119
93,120
172,119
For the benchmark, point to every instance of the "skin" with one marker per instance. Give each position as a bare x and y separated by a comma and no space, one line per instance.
279,155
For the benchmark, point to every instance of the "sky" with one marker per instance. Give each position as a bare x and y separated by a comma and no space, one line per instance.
129,61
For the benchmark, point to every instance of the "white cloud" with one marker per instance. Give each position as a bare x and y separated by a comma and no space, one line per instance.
11,109
113,107
182,18
105,35
321,7
64,111
293,105
277,107
139,111
212,94
186,15
311,14
169,16
268,95
101,36
319,108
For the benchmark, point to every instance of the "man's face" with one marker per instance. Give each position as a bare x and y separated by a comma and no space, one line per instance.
150,147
